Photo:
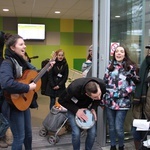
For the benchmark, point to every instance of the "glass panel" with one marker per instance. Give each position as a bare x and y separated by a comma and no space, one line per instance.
126,25
147,24
126,29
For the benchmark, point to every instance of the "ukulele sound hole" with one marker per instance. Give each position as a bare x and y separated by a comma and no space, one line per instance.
23,96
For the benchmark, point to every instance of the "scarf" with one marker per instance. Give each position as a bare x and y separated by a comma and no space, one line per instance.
11,54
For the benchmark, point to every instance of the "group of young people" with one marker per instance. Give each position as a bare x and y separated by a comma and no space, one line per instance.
114,90
120,79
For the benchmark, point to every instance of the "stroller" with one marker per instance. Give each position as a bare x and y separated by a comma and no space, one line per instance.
54,122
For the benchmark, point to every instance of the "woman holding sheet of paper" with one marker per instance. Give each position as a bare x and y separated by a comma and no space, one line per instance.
141,101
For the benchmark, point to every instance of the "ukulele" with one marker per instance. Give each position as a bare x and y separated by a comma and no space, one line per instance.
23,101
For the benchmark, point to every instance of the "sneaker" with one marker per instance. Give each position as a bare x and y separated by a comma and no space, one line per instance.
9,137
8,141
3,144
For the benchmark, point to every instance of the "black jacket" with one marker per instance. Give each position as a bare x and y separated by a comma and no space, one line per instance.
58,75
2,39
74,97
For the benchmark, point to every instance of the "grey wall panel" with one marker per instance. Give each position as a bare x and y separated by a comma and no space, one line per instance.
82,38
53,38
10,23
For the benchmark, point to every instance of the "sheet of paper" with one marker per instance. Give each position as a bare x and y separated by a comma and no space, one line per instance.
141,124
146,143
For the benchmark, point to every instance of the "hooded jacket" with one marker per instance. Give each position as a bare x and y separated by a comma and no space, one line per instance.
8,76
141,109
74,97
119,87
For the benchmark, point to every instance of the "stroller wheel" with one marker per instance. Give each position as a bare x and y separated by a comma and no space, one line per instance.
52,140
43,132
57,139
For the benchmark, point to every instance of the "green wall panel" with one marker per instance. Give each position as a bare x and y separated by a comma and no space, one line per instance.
77,63
83,26
43,49
39,20
43,52
53,25
72,51
24,20
10,31
66,38
50,24
1,24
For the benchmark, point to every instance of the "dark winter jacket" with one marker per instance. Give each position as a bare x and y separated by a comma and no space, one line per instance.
8,80
74,97
141,109
44,78
2,39
58,75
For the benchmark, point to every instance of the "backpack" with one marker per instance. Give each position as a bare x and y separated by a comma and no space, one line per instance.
44,78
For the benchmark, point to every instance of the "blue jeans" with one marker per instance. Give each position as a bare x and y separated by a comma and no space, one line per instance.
137,135
116,120
52,102
20,123
76,133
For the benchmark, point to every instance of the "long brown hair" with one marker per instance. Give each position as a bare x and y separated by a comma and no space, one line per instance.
127,60
89,57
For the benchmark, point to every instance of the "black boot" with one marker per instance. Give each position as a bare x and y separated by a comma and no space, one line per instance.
113,148
121,147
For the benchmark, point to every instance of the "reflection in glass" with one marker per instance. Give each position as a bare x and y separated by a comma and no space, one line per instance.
126,29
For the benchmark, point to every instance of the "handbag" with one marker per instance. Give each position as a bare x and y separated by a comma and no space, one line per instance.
4,124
